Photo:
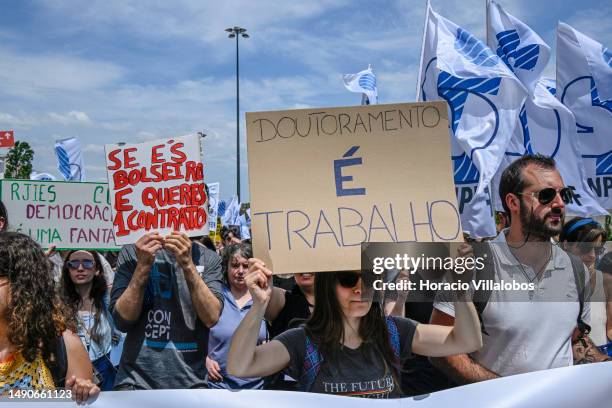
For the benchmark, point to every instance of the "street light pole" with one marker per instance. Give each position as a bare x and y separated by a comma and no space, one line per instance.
237,32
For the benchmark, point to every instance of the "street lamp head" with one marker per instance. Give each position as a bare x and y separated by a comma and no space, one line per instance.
245,35
229,30
232,35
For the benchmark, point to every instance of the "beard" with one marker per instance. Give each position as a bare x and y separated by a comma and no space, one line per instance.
537,227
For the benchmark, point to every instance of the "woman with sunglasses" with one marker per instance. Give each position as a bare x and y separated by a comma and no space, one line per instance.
37,349
348,346
85,292
585,238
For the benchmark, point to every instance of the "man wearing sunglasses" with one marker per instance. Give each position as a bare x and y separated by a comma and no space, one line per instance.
529,330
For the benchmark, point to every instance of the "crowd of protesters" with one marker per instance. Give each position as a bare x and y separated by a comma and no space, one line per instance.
200,313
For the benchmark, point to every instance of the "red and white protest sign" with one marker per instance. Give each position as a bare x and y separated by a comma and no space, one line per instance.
157,186
7,138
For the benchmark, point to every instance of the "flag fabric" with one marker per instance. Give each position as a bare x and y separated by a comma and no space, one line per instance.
230,217
484,98
363,82
7,138
545,125
245,232
42,176
520,48
70,159
584,79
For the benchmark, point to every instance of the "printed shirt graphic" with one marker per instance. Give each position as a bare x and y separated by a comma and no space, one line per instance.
167,345
353,372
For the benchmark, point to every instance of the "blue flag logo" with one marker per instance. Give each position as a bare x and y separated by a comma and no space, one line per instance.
514,57
474,50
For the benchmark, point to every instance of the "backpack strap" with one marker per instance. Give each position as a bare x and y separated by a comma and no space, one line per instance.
59,367
394,337
311,366
481,296
313,359
580,279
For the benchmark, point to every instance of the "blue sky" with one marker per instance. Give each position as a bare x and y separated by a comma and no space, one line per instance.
117,70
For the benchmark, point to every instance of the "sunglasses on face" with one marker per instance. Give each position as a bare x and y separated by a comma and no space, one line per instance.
347,280
547,195
586,247
87,263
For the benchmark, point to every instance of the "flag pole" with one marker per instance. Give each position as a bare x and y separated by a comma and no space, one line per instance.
419,78
487,5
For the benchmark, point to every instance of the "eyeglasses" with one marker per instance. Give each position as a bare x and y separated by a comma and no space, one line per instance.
547,195
348,280
87,263
586,247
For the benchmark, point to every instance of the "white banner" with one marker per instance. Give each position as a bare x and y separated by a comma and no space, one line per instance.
584,77
65,214
577,386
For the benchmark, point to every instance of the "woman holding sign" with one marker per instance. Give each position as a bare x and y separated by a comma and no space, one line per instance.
84,291
347,347
37,352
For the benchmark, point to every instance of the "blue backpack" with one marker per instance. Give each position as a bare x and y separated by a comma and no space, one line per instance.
313,358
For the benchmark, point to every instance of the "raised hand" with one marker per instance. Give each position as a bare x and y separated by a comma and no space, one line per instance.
147,246
259,281
180,245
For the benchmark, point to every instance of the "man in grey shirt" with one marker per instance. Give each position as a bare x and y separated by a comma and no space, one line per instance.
166,295
529,333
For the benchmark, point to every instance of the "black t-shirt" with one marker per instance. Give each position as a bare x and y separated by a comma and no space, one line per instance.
295,309
356,372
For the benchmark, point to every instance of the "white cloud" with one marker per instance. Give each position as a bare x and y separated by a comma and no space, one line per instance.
72,117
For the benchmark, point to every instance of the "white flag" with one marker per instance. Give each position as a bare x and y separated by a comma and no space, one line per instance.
521,48
231,213
584,67
70,159
545,126
484,98
363,82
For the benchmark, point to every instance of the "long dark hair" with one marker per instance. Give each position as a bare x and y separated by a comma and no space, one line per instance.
35,315
325,326
72,299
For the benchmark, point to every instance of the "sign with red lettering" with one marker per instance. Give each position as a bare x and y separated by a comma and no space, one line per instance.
157,186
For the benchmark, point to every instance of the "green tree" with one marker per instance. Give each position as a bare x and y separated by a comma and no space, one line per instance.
19,161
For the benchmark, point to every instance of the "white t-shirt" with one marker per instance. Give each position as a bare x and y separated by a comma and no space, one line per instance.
530,334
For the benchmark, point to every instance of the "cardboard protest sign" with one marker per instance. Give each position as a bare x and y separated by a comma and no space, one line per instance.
67,215
157,186
324,180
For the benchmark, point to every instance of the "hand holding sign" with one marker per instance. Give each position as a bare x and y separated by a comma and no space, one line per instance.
180,245
147,246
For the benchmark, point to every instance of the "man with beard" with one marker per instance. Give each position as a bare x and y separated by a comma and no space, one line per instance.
535,329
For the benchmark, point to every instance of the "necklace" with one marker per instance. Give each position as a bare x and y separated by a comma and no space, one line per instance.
538,273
